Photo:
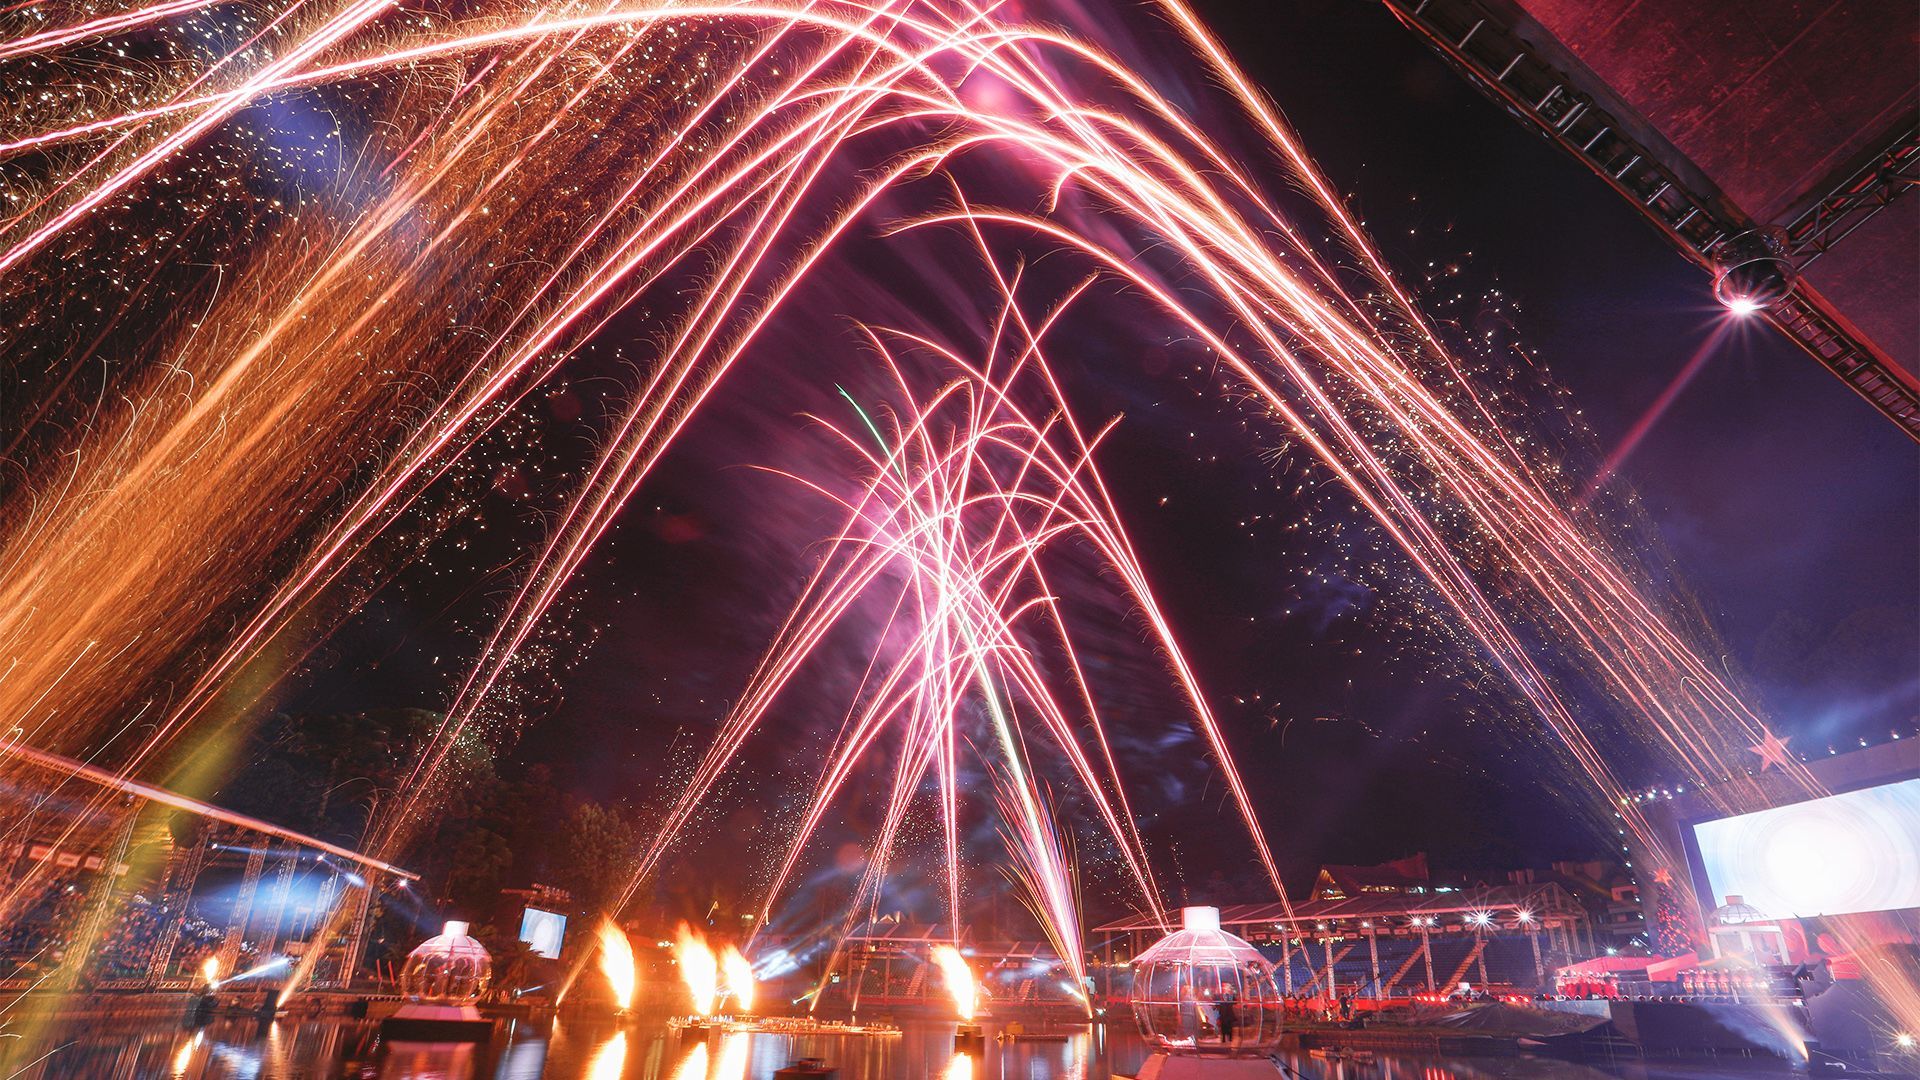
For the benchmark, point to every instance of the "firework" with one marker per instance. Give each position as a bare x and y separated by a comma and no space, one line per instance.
290,404
967,492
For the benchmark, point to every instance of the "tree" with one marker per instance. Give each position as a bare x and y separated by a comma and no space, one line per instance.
1673,933
595,854
322,773
476,869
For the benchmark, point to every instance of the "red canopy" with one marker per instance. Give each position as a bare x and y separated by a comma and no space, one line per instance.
1669,970
1602,965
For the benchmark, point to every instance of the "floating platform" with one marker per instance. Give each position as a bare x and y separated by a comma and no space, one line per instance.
436,1023
1341,1055
1033,1036
1164,1066
777,1025
806,1069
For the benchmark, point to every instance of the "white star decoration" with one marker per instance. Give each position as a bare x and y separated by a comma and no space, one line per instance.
1772,750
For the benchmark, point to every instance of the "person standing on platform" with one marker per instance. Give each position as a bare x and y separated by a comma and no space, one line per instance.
1225,1016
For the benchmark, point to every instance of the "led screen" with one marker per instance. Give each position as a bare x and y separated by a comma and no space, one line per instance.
543,931
1834,856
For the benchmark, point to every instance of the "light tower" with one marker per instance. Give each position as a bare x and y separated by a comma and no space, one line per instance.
1207,1002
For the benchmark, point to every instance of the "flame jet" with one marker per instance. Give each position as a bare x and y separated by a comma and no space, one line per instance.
617,963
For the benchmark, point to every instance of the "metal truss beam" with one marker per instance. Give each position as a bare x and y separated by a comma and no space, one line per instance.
1890,172
1479,39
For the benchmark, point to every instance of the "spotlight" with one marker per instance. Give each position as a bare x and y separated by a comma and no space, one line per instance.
1904,1041
1751,272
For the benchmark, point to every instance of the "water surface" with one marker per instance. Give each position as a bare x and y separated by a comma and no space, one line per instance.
162,1049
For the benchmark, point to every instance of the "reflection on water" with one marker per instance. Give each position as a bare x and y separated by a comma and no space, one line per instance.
161,1049
610,1060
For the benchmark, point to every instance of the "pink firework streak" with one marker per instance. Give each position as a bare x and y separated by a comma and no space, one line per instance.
968,491
717,218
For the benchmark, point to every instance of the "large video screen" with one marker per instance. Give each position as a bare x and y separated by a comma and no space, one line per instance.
1834,856
543,931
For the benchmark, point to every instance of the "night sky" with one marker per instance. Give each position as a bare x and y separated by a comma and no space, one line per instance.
1788,507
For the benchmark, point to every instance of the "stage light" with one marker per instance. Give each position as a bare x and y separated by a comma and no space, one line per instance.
1904,1041
1751,272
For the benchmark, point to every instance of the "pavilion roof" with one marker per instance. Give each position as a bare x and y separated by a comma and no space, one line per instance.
1541,898
905,933
1400,874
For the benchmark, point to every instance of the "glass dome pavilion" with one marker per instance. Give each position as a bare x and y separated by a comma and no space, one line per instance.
1203,989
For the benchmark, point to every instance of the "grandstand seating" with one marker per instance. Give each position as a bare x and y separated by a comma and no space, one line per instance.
1449,951
1510,962
1508,958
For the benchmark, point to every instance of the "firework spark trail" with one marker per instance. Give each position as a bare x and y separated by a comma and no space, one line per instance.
1624,638
432,438
100,27
961,540
442,438
126,480
179,98
1403,505
630,457
1307,347
1040,867
603,511
355,17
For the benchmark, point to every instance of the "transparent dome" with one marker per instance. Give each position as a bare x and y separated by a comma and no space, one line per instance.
1201,988
1737,912
449,968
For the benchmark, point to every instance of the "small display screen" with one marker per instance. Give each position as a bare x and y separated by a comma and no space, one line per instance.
544,932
